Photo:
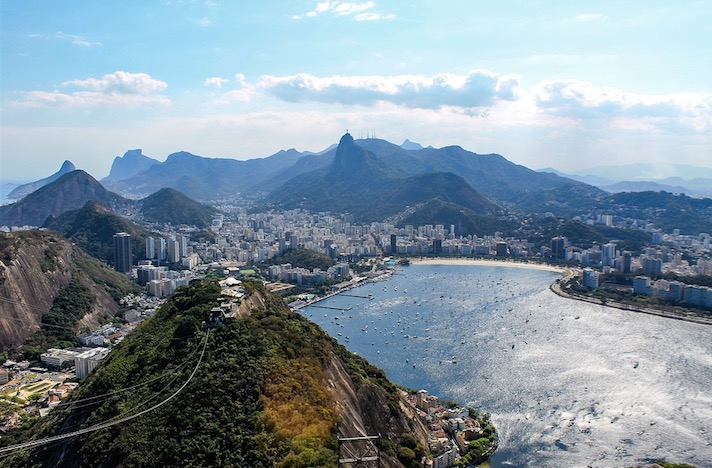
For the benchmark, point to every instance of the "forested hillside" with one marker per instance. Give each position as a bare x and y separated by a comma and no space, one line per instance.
269,389
44,279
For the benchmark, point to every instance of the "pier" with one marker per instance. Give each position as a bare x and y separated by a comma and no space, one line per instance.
328,307
356,295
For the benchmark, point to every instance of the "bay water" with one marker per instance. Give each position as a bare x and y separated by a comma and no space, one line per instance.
567,383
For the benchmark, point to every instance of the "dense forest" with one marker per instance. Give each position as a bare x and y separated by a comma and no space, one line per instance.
258,397
303,258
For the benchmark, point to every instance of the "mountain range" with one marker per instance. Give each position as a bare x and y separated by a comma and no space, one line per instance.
269,179
74,190
69,192
372,179
675,178
363,184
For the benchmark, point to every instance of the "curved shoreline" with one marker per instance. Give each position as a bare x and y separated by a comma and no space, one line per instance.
556,289
556,286
488,262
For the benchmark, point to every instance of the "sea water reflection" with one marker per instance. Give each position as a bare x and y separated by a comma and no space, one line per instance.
568,383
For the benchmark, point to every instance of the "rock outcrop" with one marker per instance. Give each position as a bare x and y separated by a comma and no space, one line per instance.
34,266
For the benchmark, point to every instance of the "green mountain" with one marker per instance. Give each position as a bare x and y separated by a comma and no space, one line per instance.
586,235
44,278
365,185
171,206
70,192
25,189
268,389
466,221
92,228
304,258
514,186
665,210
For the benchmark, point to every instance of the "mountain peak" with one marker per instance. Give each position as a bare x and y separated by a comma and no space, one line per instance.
411,145
134,153
346,139
25,189
67,166
71,191
169,205
349,156
181,155
132,163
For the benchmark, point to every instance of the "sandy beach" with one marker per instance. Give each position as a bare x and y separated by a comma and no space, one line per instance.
481,262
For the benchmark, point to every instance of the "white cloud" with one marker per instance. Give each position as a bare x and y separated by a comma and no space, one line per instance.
373,16
73,38
581,102
215,81
235,95
346,8
203,22
589,17
121,88
363,11
77,40
241,80
243,92
121,82
479,88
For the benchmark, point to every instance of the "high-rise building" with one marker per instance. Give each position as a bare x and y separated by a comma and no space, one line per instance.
173,250
182,245
161,249
590,278
627,262
558,247
394,244
609,252
150,248
122,252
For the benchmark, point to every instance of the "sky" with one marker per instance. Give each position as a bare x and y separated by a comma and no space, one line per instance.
545,83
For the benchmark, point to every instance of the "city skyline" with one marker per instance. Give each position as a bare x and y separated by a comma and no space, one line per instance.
567,86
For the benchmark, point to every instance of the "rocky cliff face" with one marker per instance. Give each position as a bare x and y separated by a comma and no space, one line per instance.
131,164
34,266
364,410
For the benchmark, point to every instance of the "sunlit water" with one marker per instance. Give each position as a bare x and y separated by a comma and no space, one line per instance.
568,383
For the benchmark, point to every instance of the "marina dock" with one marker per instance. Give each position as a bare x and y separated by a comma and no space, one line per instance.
329,307
356,295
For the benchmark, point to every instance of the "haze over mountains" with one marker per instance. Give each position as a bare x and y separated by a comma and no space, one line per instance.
675,178
371,179
75,189
205,179
132,163
25,189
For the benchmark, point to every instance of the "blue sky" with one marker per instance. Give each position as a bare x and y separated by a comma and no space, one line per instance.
569,84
